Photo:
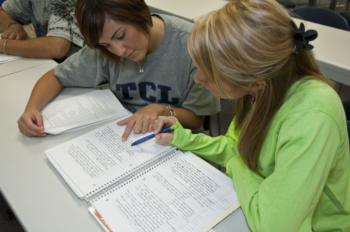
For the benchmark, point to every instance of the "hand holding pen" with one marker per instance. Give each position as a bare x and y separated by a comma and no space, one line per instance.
161,132
162,121
148,137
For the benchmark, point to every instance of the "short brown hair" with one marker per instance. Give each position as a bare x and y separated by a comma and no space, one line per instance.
91,16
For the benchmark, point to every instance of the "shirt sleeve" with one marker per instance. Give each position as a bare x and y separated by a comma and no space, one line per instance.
215,149
286,199
86,68
20,10
62,22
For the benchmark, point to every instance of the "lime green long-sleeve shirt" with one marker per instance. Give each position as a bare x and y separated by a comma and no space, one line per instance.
304,164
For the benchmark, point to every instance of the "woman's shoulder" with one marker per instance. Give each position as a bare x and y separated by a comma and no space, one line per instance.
312,96
176,24
312,91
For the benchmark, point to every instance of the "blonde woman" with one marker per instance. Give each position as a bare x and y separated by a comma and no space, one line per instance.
287,149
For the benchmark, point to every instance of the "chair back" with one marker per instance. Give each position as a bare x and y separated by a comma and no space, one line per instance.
322,16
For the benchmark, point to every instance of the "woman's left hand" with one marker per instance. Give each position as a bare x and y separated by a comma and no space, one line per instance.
142,121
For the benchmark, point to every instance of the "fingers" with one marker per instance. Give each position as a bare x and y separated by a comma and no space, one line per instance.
9,35
164,138
5,35
124,121
163,121
38,119
147,123
31,124
138,123
129,126
14,33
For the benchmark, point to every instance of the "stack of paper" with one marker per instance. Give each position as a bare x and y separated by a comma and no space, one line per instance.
82,110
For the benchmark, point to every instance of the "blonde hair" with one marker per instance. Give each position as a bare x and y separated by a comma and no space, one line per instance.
245,41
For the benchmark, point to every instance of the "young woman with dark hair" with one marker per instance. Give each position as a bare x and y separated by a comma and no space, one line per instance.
142,56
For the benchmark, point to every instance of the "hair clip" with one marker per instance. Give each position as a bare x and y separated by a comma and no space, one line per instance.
302,37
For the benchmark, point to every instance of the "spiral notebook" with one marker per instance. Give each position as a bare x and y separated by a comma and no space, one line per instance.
148,187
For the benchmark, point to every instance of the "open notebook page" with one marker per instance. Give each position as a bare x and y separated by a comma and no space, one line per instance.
182,194
93,160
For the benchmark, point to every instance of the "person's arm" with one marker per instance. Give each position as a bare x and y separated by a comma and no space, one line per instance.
31,123
10,28
185,116
215,149
142,120
286,199
42,47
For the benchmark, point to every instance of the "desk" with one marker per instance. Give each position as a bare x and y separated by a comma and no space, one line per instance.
35,191
332,48
19,65
38,196
332,51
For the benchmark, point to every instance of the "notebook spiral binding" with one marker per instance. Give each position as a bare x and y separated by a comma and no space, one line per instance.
129,176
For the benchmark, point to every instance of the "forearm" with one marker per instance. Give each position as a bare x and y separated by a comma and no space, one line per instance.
44,91
43,47
187,118
216,149
5,20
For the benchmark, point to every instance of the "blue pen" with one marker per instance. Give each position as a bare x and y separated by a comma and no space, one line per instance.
148,137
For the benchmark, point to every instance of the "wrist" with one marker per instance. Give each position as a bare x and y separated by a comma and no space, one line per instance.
170,111
31,107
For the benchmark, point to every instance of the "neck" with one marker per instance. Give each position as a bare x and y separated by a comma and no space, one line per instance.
156,34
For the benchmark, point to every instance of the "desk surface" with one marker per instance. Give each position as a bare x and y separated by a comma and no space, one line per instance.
19,65
37,194
332,51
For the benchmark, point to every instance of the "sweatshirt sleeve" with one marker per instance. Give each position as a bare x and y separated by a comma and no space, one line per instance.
215,149
86,68
286,199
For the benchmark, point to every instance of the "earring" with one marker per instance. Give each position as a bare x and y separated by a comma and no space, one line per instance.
252,99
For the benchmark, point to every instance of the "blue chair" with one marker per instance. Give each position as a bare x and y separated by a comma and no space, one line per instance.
322,16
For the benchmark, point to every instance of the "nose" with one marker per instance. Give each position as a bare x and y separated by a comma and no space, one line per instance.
198,78
118,49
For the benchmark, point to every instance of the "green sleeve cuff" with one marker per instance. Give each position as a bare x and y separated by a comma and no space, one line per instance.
215,149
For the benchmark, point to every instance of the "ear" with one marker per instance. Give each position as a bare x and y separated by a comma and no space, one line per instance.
257,85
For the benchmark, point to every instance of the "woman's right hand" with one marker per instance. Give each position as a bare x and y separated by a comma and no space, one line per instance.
162,121
31,124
